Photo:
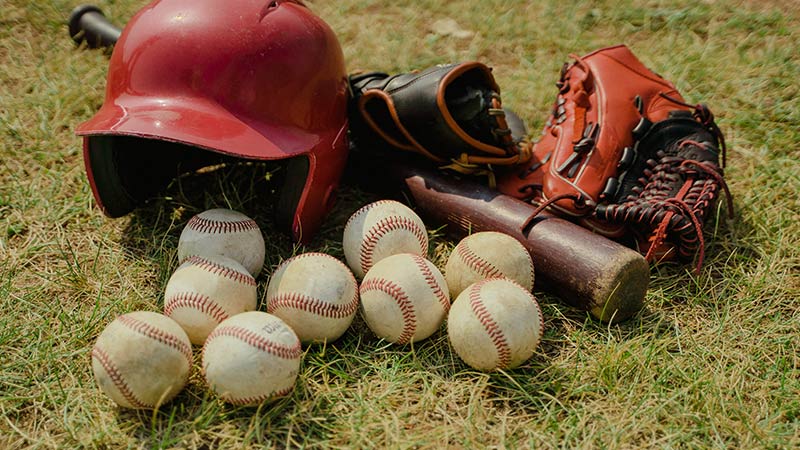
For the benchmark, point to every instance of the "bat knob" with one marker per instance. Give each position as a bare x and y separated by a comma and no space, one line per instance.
87,23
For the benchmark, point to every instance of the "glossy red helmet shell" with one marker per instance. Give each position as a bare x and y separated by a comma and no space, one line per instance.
253,79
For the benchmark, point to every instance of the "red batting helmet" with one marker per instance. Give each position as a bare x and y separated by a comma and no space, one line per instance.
253,79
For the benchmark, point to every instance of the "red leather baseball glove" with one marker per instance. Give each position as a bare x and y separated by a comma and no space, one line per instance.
624,154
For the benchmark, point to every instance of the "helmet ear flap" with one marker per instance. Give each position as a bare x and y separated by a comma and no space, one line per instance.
294,183
111,193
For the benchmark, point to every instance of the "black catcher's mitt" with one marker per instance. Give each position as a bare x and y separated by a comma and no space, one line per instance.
452,114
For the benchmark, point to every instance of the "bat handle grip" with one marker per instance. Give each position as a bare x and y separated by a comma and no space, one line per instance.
88,24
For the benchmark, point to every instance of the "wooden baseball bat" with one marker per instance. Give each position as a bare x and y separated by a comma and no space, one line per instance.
584,269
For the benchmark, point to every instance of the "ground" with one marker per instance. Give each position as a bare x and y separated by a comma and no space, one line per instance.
711,362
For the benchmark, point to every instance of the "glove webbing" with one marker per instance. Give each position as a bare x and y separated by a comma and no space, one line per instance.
681,213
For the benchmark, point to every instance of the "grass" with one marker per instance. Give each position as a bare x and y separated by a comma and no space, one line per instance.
711,362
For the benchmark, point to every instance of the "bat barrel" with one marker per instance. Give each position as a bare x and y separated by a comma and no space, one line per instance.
587,270
88,24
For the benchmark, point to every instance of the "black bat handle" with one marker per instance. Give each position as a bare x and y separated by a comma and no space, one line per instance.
88,24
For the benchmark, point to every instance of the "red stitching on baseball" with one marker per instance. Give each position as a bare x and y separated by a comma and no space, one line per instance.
219,269
538,311
203,225
433,283
535,303
305,255
476,263
196,301
530,264
364,209
259,398
253,339
541,319
406,307
152,332
116,378
296,300
384,226
491,327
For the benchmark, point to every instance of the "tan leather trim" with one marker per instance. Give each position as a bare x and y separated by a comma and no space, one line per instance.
451,122
412,144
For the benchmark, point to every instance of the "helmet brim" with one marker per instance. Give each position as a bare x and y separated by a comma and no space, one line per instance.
201,123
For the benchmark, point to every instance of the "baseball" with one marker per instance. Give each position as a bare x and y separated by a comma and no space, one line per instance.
204,291
495,324
224,232
251,358
404,298
142,360
382,229
315,294
488,254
